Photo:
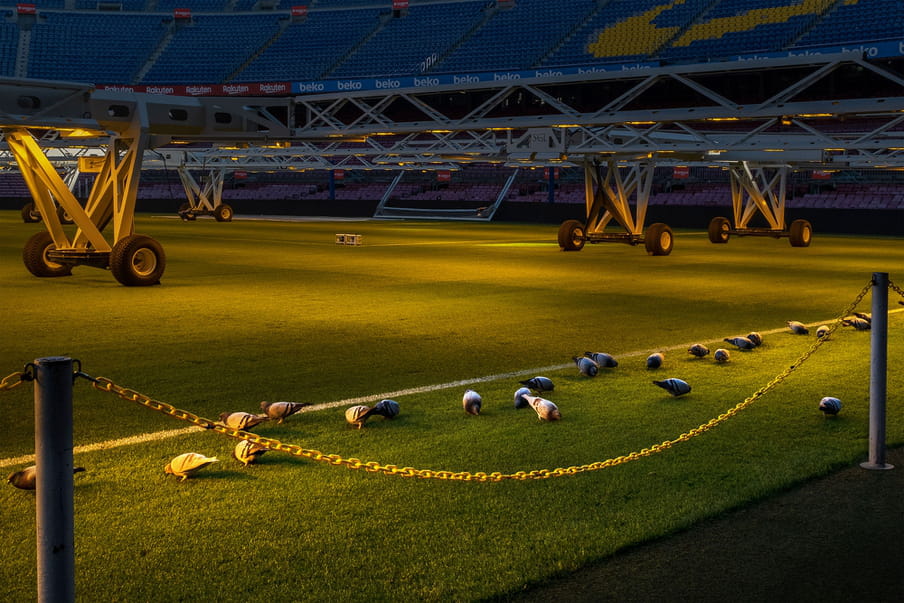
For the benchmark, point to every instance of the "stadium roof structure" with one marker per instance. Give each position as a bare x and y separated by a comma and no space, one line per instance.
838,110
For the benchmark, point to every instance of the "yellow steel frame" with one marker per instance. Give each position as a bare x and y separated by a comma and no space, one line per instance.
754,190
607,196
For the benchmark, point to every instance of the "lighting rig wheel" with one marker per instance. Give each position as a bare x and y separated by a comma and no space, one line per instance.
571,235
658,239
30,213
137,261
800,234
719,230
64,216
34,254
222,213
185,212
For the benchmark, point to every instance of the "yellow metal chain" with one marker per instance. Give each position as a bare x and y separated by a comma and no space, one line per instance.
106,385
895,288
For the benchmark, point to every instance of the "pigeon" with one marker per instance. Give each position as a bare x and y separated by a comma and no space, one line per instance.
676,387
858,323
539,384
698,349
822,331
280,411
797,328
472,402
25,479
655,360
385,408
546,410
247,452
864,316
521,399
242,420
901,302
830,406
602,358
187,464
721,355
587,366
756,338
743,343
356,415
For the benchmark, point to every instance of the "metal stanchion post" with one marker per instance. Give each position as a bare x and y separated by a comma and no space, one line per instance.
878,373
53,486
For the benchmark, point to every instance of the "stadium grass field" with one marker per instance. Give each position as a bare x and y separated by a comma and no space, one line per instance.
258,310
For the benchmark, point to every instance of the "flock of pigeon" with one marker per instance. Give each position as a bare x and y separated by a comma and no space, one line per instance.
528,396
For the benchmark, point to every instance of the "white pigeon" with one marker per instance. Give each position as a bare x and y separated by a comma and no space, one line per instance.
830,406
472,402
356,415
539,384
798,328
242,420
676,387
698,349
26,479
586,366
742,343
280,411
247,452
721,356
546,410
603,359
655,360
520,399
822,331
756,338
187,464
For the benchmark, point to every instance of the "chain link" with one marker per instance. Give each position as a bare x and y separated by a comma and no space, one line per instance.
895,288
106,385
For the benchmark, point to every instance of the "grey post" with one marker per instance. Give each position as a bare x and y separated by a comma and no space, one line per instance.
53,486
878,373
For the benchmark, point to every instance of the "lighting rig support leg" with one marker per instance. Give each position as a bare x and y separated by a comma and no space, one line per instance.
754,189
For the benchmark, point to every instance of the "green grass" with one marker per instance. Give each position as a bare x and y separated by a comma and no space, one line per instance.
255,310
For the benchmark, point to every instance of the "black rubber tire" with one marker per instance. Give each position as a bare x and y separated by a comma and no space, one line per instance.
137,261
185,212
30,213
223,213
64,216
659,239
34,255
800,233
719,230
571,235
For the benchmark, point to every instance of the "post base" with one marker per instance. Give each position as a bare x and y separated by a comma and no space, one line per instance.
877,466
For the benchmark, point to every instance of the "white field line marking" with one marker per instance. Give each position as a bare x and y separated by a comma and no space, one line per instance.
171,433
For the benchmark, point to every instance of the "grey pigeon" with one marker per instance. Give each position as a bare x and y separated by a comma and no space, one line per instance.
472,402
280,411
546,410
743,343
603,359
520,399
830,406
242,420
187,464
798,328
247,452
822,331
756,338
721,356
676,387
865,316
858,323
587,366
901,302
655,360
25,479
386,408
357,415
698,349
539,384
